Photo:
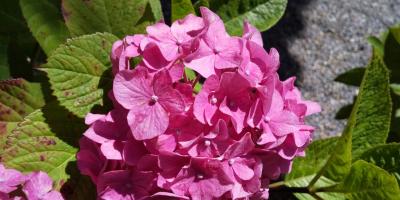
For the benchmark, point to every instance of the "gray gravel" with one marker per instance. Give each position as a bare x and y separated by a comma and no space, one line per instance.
329,39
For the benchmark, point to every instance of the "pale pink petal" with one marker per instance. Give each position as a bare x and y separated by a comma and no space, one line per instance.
112,150
251,33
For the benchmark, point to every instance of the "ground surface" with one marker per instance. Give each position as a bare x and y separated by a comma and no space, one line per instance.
320,39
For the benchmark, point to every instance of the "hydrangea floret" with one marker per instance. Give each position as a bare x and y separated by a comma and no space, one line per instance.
34,186
163,140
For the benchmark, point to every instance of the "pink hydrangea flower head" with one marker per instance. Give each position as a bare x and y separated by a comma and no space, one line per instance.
166,139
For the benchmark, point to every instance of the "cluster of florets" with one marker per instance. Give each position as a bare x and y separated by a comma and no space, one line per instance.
34,186
162,139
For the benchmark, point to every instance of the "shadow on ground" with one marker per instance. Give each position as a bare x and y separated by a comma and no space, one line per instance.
280,36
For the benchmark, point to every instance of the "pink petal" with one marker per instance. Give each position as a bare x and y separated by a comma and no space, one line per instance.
112,150
251,33
133,151
243,171
148,121
132,88
239,148
38,185
168,97
202,60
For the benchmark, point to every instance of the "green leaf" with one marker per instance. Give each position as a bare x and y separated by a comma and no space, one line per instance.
191,75
181,8
263,14
35,145
200,3
156,10
317,155
352,77
366,181
392,52
395,88
4,67
377,44
80,72
10,17
120,17
385,156
18,98
368,124
45,22
372,113
303,183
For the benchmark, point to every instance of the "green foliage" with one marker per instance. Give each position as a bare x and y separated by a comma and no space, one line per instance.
120,17
386,156
317,154
18,98
11,18
191,75
263,14
366,181
373,108
80,72
48,27
34,144
181,8
330,160
4,68
392,52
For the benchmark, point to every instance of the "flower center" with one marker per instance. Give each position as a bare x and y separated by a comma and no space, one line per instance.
231,161
207,143
213,100
200,176
154,99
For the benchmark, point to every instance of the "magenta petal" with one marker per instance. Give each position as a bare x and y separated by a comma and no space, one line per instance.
168,97
208,189
132,88
148,121
243,171
133,152
240,148
251,33
53,195
38,185
112,150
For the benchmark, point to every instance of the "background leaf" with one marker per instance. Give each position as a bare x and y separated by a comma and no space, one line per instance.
372,108
181,8
366,181
35,145
10,17
80,72
385,156
120,17
4,67
317,155
18,98
392,52
263,14
45,22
